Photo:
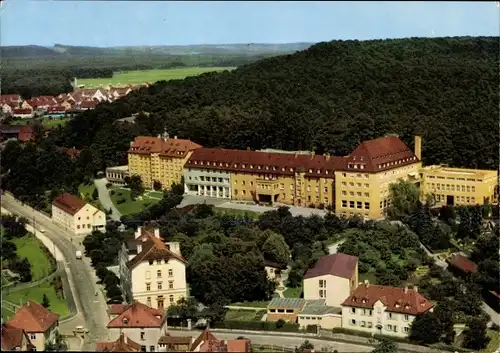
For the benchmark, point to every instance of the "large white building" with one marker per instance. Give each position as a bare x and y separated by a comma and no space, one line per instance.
151,271
77,216
383,310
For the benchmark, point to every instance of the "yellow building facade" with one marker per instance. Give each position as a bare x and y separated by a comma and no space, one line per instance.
459,186
159,159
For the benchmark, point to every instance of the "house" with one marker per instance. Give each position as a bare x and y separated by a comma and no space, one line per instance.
85,105
7,107
383,310
15,339
122,344
76,215
38,322
316,312
120,92
26,133
333,278
9,131
23,113
151,271
286,309
460,265
274,270
91,94
57,109
169,343
207,342
140,323
11,98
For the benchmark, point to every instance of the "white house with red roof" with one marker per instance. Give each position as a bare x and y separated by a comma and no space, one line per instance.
151,271
39,323
15,339
383,310
76,215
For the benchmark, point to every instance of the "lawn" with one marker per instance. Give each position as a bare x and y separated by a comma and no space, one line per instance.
141,76
130,206
86,189
251,304
494,342
292,292
46,122
57,304
235,212
32,249
245,315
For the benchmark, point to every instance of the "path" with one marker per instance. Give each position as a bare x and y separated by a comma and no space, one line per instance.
105,199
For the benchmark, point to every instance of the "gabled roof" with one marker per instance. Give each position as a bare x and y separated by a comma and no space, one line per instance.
168,339
33,318
153,249
340,265
463,263
12,337
396,300
206,335
171,147
139,315
117,309
10,98
69,203
26,133
122,344
21,111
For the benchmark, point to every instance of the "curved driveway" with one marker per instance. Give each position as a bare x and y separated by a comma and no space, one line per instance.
105,199
93,308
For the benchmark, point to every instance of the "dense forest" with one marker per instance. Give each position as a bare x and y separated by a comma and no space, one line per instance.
327,98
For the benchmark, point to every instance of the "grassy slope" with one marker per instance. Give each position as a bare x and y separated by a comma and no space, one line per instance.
136,77
31,248
130,206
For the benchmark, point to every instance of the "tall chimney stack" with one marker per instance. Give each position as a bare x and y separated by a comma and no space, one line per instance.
418,147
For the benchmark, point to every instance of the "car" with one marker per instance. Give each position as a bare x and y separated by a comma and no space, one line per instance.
42,230
80,329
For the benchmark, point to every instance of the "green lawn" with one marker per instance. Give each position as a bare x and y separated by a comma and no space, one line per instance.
86,189
57,304
130,206
245,315
292,292
32,248
494,342
235,212
141,76
252,304
46,122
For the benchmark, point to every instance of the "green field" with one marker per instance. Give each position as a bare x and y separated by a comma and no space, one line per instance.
251,304
132,206
46,122
32,248
137,77
292,292
57,304
245,315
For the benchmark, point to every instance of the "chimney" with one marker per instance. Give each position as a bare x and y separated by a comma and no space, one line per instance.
367,283
138,232
418,147
313,154
296,154
327,156
174,247
406,289
131,143
415,288
157,233
175,137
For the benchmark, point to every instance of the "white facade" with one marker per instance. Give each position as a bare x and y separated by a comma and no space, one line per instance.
206,182
39,339
147,337
332,288
85,221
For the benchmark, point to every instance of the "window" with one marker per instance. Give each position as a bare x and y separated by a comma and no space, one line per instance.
143,334
78,227
322,283
363,323
344,203
389,315
170,272
353,310
359,204
406,317
170,284
367,205
370,324
148,274
322,293
171,298
148,301
143,348
389,327
160,286
79,218
351,204
353,322
406,329
158,273
325,189
151,348
148,286
33,336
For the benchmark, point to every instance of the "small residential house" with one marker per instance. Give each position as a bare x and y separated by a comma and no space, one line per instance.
383,310
39,323
207,342
333,278
22,113
85,105
15,339
92,94
76,215
122,344
151,271
26,133
11,98
116,175
460,265
141,324
169,343
316,312
7,108
274,270
286,309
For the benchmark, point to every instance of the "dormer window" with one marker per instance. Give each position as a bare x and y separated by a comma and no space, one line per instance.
235,165
407,307
282,169
150,262
397,305
208,163
251,166
195,162
201,162
310,170
220,164
243,166
363,301
319,171
274,168
291,170
125,321
361,167
258,167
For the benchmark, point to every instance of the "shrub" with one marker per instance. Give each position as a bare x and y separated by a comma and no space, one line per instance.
120,201
256,326
112,192
312,328
108,185
351,332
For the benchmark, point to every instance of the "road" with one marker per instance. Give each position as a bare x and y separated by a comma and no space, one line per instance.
105,199
280,341
92,308
332,249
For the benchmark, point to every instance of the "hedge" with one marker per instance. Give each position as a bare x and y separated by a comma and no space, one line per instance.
255,326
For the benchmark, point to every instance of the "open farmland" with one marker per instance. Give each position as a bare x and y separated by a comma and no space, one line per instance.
137,77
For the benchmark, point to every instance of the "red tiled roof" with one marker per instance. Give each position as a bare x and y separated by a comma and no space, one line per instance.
340,265
71,152
167,339
88,104
56,109
241,345
26,133
22,111
463,263
153,249
12,338
33,318
206,335
69,203
370,156
139,315
117,309
396,300
4,98
122,344
170,148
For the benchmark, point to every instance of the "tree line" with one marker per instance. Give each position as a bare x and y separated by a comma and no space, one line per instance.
13,228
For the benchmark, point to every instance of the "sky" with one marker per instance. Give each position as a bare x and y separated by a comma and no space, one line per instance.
150,23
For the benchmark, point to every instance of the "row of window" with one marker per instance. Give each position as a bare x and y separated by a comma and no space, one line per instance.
160,300
358,185
83,226
259,167
356,204
158,274
453,187
452,178
160,285
459,199
211,179
358,194
369,312
369,324
281,311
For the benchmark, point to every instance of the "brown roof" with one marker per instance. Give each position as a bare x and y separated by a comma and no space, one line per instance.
153,249
206,335
340,265
396,300
117,309
56,109
88,104
69,203
463,263
172,147
122,344
32,317
167,339
370,156
22,111
12,337
139,315
26,133
241,345
71,152
10,98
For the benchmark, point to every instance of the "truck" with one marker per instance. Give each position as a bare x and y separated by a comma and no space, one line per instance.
78,254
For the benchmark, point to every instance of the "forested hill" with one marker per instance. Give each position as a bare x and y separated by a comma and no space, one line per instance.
327,98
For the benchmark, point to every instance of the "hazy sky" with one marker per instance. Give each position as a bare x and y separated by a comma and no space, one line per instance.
116,23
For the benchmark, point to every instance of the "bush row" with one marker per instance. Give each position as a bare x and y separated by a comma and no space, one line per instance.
256,326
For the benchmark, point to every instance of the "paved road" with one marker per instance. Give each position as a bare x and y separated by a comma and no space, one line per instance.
281,341
105,199
332,249
93,308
